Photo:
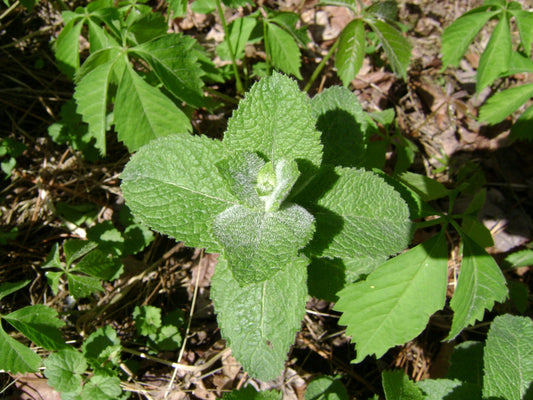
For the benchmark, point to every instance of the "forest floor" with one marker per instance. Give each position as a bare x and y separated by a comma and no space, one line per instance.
435,109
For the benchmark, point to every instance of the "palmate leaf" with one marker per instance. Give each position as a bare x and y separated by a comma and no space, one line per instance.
283,50
457,37
173,186
480,284
260,320
394,303
15,357
508,358
351,51
143,113
504,103
524,22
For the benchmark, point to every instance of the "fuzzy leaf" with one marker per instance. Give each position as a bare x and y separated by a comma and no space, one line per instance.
173,186
508,360
504,103
283,50
360,218
351,51
257,244
38,323
15,357
495,59
275,120
480,284
260,320
143,113
395,45
394,303
175,65
64,369
457,37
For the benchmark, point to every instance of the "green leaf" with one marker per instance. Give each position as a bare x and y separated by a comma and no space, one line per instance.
102,388
343,124
480,284
524,22
143,113
147,319
52,278
427,188
519,64
178,7
523,258
508,361
91,96
395,45
504,103
360,218
260,320
99,265
249,393
257,244
6,288
457,37
15,357
283,50
351,51
76,248
276,121
398,386
495,59
394,303
40,324
239,34
146,26
99,38
102,346
81,286
521,130
326,277
519,295
466,364
67,47
110,240
446,389
325,388
164,192
387,10
64,369
175,65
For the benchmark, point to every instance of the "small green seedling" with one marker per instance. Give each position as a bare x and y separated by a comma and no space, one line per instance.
9,151
163,333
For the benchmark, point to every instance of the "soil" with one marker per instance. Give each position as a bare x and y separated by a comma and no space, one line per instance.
435,109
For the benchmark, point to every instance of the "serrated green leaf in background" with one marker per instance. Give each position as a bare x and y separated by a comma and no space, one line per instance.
101,347
480,285
283,50
64,369
326,388
15,357
360,218
143,113
175,65
495,59
6,288
67,47
504,103
260,320
398,386
240,30
75,249
396,47
275,120
457,37
394,303
81,286
40,324
428,189
524,22
447,389
147,319
466,363
351,51
178,7
258,244
249,393
508,359
326,277
173,186
343,125
522,258
102,388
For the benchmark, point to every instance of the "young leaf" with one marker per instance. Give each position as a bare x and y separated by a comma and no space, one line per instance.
64,369
283,50
275,120
173,185
495,59
15,357
260,320
457,37
394,303
143,113
102,346
504,103
257,244
175,65
351,51
508,358
147,320
38,323
102,388
480,284
326,388
398,386
343,124
395,45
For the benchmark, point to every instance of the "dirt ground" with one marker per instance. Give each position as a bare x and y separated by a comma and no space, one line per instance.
435,109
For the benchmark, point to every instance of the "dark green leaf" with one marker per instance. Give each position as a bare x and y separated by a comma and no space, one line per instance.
466,363
6,288
83,286
99,265
249,393
387,10
523,126
428,189
76,248
178,7
148,26
102,388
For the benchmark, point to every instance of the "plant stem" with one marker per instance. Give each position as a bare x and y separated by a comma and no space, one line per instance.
238,82
11,8
320,67
267,52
